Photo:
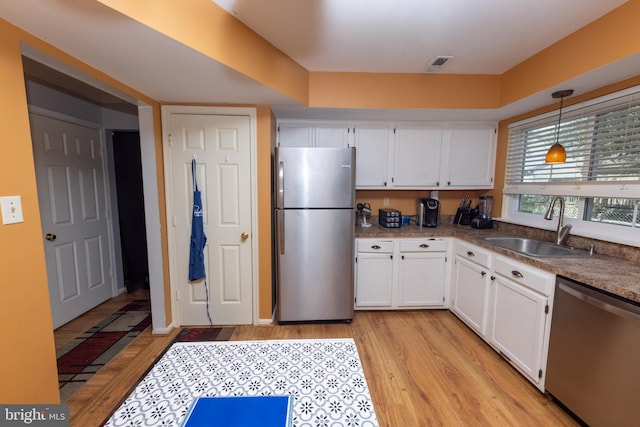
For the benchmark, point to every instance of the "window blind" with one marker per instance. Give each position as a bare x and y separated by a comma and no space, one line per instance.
602,140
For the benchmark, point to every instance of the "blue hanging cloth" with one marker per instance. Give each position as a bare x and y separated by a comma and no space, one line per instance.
198,238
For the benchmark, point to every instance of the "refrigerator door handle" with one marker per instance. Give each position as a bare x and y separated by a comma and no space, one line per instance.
280,195
280,225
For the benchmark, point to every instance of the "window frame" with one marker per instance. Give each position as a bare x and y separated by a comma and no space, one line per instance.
629,235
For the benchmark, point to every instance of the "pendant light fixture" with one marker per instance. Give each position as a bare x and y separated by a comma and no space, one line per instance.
557,153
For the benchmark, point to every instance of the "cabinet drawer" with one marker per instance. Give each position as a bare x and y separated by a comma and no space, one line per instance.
533,278
375,246
473,253
423,245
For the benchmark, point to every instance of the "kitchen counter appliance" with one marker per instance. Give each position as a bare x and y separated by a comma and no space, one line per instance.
428,212
485,203
315,195
594,349
389,218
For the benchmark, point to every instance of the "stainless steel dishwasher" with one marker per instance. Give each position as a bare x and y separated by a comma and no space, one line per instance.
593,366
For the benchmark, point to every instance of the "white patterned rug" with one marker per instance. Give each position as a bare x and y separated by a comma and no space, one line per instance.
324,376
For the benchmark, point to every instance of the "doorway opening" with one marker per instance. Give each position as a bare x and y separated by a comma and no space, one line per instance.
64,98
130,198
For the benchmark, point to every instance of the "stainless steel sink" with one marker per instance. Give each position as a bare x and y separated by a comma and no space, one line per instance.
535,248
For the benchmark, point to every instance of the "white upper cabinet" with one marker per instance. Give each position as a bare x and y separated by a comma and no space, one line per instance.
313,134
331,135
295,134
374,154
470,157
405,155
417,155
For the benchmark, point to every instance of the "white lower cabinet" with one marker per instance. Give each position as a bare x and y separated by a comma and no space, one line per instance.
507,303
374,273
521,297
470,290
422,273
401,273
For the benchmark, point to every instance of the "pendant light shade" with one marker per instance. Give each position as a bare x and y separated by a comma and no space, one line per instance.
557,153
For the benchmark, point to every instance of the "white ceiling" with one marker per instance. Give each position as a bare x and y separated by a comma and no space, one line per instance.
402,36
484,36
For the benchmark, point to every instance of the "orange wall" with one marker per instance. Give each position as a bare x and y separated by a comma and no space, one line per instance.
405,200
265,133
370,90
27,361
612,37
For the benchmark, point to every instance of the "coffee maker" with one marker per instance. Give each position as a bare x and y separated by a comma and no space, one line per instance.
484,213
428,211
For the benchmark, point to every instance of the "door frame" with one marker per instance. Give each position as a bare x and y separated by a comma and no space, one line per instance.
167,110
151,188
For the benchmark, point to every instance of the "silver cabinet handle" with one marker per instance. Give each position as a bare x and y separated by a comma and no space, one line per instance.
517,274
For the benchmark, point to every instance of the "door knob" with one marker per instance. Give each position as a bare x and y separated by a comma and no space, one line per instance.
244,236
50,237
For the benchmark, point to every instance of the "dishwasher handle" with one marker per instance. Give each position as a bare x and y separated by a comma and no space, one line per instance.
614,309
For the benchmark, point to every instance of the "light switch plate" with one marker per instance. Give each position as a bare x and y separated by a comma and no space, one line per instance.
11,209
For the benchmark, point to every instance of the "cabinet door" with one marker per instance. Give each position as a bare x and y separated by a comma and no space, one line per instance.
374,280
518,325
471,157
421,279
331,135
417,154
295,134
373,154
470,294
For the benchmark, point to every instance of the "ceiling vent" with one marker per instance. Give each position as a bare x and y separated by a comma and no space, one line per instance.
437,62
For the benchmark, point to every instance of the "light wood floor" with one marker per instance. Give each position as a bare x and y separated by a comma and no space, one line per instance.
423,368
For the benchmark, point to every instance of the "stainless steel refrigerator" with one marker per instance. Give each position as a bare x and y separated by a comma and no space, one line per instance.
314,225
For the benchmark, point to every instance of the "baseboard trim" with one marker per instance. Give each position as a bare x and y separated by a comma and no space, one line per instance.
162,331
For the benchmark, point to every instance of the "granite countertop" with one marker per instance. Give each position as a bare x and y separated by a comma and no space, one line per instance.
614,275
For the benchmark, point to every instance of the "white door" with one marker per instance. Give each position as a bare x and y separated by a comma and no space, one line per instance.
73,206
222,148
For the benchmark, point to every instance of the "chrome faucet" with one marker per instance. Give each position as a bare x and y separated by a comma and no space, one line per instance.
562,232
